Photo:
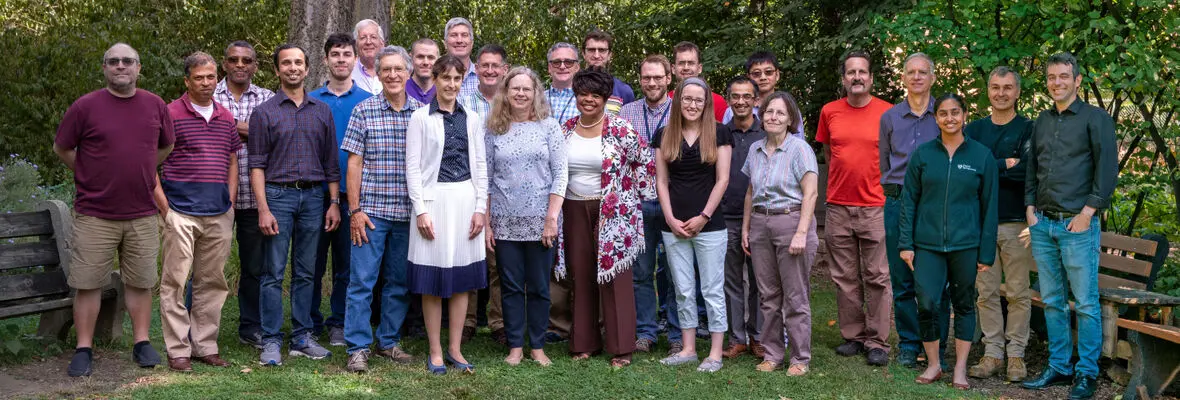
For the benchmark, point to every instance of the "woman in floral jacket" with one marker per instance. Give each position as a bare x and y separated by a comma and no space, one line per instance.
610,170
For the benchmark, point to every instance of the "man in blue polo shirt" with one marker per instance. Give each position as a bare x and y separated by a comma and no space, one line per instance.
341,94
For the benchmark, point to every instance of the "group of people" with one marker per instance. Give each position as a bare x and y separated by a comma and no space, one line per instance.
426,177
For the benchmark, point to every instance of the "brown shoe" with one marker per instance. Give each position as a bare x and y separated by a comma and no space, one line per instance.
986,367
396,354
734,350
1016,369
768,366
499,336
212,359
468,333
757,349
181,364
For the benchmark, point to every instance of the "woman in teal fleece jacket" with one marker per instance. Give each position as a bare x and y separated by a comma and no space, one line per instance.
948,230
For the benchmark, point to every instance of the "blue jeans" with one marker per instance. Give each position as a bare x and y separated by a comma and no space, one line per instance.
905,301
250,256
385,254
651,263
524,286
1066,259
300,216
339,242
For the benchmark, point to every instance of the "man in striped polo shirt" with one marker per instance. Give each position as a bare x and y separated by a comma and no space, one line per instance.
197,184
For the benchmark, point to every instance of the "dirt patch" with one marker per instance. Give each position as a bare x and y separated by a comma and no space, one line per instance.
47,378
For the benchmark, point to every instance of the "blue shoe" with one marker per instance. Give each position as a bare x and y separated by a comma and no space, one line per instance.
435,369
468,368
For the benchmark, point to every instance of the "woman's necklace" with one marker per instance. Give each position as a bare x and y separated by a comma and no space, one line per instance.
592,125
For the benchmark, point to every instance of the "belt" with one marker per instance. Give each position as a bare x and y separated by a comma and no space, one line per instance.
298,184
775,211
1058,215
892,189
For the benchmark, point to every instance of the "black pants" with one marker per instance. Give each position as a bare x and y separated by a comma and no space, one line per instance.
933,270
250,268
524,286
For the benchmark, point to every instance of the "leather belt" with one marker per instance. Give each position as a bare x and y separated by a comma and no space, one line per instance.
1058,215
775,211
298,184
892,189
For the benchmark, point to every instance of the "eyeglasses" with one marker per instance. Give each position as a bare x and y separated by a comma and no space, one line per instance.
240,60
746,97
126,61
646,79
566,63
686,64
596,50
487,66
700,101
769,72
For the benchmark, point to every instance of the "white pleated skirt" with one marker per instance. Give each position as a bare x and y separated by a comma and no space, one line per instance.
451,263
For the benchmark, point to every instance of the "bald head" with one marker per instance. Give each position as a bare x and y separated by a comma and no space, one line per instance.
121,49
120,66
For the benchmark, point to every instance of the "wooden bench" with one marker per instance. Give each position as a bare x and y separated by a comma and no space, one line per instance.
33,271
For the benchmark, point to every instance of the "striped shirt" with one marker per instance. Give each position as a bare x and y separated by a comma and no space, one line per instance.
470,82
377,132
476,103
195,175
252,97
777,178
293,144
562,105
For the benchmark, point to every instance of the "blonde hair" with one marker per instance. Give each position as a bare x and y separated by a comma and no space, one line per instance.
707,128
500,116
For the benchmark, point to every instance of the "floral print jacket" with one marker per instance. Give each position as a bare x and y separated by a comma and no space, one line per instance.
628,170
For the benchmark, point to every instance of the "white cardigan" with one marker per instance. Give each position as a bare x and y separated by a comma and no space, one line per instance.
424,148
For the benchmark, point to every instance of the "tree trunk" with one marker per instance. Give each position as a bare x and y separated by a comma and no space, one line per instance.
311,22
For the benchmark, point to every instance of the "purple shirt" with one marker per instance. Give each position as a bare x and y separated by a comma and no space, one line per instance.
415,91
901,132
116,141
292,143
195,176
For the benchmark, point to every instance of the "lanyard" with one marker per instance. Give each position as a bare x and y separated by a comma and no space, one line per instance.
659,122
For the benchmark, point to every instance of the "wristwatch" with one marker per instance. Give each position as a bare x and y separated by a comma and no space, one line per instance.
354,211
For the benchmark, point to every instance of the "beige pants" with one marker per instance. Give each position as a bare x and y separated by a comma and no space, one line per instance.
495,315
199,245
1012,267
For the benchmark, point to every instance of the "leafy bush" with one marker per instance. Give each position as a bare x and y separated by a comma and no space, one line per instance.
21,189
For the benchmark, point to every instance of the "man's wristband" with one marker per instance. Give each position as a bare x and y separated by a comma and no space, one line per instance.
355,211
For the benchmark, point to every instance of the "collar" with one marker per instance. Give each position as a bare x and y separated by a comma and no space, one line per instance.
470,70
568,90
732,125
188,105
223,88
910,111
781,146
1074,108
660,108
434,107
307,97
406,105
324,88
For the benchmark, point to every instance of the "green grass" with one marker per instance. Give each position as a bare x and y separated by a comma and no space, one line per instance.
831,377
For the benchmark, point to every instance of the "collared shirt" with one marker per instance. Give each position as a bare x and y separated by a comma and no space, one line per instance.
251,98
562,104
1074,160
294,143
476,103
901,132
195,175
367,80
377,132
777,177
470,82
342,106
733,202
526,165
620,95
456,163
646,120
729,118
415,91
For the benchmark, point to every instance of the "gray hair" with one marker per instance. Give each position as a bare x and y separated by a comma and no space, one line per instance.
356,31
921,55
197,59
563,45
1002,71
457,21
107,53
395,50
1064,58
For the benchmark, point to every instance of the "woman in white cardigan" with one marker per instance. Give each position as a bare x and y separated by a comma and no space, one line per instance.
446,175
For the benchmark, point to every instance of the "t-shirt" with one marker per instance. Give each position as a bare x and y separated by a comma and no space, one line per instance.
690,181
205,111
195,176
852,135
116,141
584,156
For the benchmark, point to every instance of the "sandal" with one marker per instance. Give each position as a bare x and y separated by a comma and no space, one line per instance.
924,381
798,370
768,366
514,361
580,356
619,362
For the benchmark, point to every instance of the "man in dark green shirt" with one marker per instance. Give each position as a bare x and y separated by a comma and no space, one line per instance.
1006,133
1070,176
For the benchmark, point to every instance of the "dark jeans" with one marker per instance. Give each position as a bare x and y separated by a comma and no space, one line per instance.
938,273
300,216
384,255
338,242
905,303
651,275
250,267
524,286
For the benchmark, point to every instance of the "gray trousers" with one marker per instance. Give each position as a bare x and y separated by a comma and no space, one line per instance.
741,290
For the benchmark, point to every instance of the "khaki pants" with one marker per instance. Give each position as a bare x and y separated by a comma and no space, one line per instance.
200,245
1012,267
864,297
495,315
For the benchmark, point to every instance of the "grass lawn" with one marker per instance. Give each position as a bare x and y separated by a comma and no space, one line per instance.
832,376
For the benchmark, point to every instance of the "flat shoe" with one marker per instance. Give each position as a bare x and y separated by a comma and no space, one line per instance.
468,368
678,359
435,369
961,386
923,381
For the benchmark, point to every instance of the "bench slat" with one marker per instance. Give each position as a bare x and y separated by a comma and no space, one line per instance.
25,224
35,308
22,255
1169,333
1127,243
1110,282
1124,264
13,287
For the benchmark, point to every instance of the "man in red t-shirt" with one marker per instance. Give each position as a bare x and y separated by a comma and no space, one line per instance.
855,227
688,65
113,139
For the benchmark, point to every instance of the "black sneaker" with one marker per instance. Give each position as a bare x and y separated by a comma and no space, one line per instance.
254,340
850,348
80,364
554,337
907,358
877,357
145,355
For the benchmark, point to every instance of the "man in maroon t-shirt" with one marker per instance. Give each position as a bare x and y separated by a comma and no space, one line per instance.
113,139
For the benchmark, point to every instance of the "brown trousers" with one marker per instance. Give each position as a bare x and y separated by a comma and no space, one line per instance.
199,245
783,284
495,312
864,296
616,299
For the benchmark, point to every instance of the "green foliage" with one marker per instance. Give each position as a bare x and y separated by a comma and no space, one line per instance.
21,189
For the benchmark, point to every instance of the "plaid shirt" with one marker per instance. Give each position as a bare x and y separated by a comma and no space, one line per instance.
562,105
294,143
377,132
253,96
476,103
470,82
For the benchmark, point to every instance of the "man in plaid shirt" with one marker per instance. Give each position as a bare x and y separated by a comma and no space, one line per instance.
379,210
563,64
236,93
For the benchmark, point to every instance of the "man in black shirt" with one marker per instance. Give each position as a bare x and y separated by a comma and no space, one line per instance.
1070,176
1006,133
